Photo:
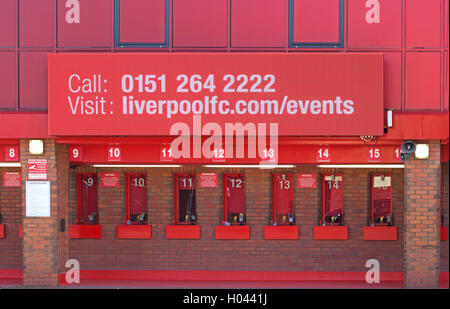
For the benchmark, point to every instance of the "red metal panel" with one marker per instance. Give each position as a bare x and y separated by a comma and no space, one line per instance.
280,232
134,231
142,21
258,23
423,23
185,202
423,81
381,201
380,233
23,125
94,28
289,153
444,233
316,21
85,231
392,80
332,200
232,232
87,198
446,26
199,23
446,80
8,23
331,232
2,231
364,30
283,198
228,275
234,198
137,194
8,80
33,80
183,231
37,23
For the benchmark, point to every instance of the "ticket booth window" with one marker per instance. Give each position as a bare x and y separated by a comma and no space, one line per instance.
332,200
381,200
136,208
283,199
234,199
87,199
185,204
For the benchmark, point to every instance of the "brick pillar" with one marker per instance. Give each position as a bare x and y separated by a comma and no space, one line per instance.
422,220
43,243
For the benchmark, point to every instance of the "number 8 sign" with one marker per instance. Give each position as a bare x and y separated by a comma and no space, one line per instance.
12,153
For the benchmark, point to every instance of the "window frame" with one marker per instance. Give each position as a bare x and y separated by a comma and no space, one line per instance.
372,223
322,217
176,219
80,202
117,42
292,196
339,44
225,199
128,198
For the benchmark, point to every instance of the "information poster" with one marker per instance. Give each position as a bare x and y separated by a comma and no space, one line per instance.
38,198
208,180
109,180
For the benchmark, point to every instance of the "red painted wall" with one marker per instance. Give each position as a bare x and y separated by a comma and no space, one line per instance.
445,218
207,253
412,34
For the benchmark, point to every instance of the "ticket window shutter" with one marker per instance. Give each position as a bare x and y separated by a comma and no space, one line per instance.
381,200
137,199
88,199
186,199
283,199
333,200
235,199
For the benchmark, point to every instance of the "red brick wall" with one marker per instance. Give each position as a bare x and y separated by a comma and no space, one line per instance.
40,250
10,209
207,253
422,220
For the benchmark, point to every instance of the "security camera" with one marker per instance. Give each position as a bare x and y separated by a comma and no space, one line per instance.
407,150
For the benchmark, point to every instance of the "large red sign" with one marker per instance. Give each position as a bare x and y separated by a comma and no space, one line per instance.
146,94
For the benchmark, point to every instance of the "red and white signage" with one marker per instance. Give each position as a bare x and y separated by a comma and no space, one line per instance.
306,181
12,179
141,94
37,169
115,153
165,153
110,180
75,154
323,154
207,180
11,153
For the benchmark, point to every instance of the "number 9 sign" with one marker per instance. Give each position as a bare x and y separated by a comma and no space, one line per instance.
75,154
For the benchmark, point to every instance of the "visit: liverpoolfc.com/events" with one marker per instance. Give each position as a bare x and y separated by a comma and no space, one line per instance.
215,106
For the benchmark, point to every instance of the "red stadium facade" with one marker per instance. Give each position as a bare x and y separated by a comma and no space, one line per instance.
266,142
